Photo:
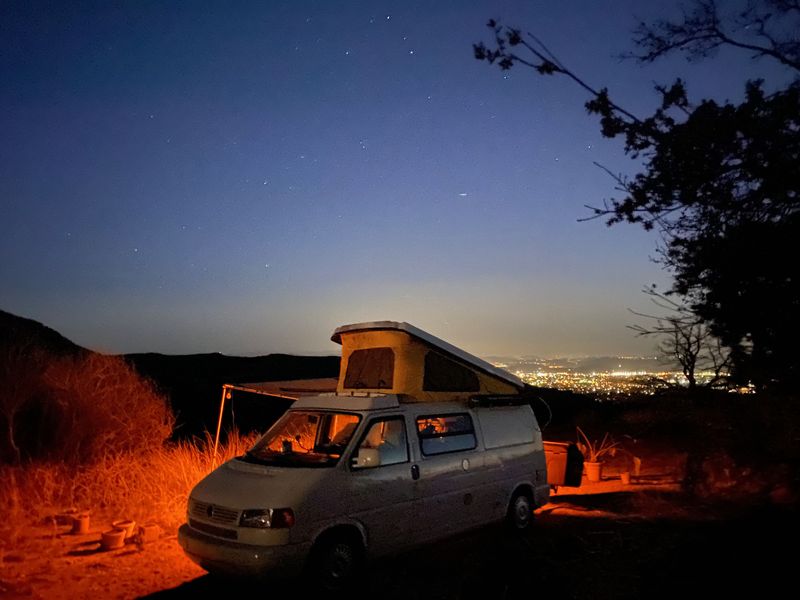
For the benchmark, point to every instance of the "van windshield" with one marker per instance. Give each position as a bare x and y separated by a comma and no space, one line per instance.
303,438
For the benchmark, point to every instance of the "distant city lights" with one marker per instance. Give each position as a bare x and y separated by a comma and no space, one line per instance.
601,383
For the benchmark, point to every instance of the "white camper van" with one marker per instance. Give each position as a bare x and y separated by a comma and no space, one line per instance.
370,469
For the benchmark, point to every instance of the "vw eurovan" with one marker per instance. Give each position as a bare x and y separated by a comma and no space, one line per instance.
368,470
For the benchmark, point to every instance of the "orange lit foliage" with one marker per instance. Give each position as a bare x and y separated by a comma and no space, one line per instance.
100,406
150,486
90,432
76,408
21,368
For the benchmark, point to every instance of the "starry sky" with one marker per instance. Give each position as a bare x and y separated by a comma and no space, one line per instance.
243,177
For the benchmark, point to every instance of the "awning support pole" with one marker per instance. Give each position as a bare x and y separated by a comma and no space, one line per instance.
219,425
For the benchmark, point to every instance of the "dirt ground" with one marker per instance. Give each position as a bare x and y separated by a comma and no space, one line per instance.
604,540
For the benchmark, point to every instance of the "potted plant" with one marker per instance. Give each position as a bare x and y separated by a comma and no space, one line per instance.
633,466
593,452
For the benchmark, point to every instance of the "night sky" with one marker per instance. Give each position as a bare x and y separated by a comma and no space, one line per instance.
244,177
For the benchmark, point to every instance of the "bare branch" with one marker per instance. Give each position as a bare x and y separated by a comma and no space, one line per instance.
701,32
685,339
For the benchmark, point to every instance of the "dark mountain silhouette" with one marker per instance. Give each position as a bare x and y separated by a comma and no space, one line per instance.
16,330
193,382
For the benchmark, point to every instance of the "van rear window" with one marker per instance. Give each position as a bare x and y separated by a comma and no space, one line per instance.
440,434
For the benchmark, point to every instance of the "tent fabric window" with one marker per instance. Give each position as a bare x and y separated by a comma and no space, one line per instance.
371,368
445,375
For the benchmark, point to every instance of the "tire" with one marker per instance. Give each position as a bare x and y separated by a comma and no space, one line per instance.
520,512
334,563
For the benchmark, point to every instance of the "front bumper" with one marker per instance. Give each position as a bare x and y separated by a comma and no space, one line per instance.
247,560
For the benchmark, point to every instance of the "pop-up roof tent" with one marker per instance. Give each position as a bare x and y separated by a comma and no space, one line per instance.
398,358
388,357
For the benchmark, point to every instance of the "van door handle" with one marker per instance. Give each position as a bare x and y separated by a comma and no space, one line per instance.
414,472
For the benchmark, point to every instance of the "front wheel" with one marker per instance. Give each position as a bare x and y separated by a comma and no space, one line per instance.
334,563
520,512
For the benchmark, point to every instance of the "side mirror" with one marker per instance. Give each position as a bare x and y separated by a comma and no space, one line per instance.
367,457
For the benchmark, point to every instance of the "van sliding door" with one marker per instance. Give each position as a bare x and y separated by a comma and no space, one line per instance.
450,469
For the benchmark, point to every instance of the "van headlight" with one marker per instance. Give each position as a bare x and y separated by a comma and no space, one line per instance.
267,518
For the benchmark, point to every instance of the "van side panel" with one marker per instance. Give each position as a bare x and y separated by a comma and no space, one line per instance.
507,426
514,455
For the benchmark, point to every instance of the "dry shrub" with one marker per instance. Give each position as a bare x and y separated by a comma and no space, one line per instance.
78,408
21,385
87,431
99,406
153,485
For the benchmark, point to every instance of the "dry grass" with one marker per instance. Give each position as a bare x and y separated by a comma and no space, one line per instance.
76,409
151,485
100,405
88,432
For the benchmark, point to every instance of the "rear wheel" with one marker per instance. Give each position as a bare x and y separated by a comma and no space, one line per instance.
520,512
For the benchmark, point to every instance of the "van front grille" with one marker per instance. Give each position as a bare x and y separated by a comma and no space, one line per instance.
230,534
213,513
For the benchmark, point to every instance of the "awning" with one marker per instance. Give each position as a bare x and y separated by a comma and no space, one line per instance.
292,390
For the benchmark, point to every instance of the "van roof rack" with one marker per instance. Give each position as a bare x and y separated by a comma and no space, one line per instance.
498,400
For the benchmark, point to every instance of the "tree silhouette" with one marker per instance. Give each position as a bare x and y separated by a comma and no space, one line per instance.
686,340
719,181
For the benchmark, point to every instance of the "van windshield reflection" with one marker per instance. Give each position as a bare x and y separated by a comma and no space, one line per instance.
305,438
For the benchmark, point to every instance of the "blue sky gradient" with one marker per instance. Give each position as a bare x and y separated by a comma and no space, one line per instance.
193,176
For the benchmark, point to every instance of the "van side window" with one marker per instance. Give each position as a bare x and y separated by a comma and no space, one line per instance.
445,375
439,434
384,443
370,368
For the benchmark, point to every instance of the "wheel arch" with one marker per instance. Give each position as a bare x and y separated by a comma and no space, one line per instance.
524,487
350,530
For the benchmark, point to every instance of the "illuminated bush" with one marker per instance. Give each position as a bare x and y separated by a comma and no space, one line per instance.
99,406
75,408
21,388
150,486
